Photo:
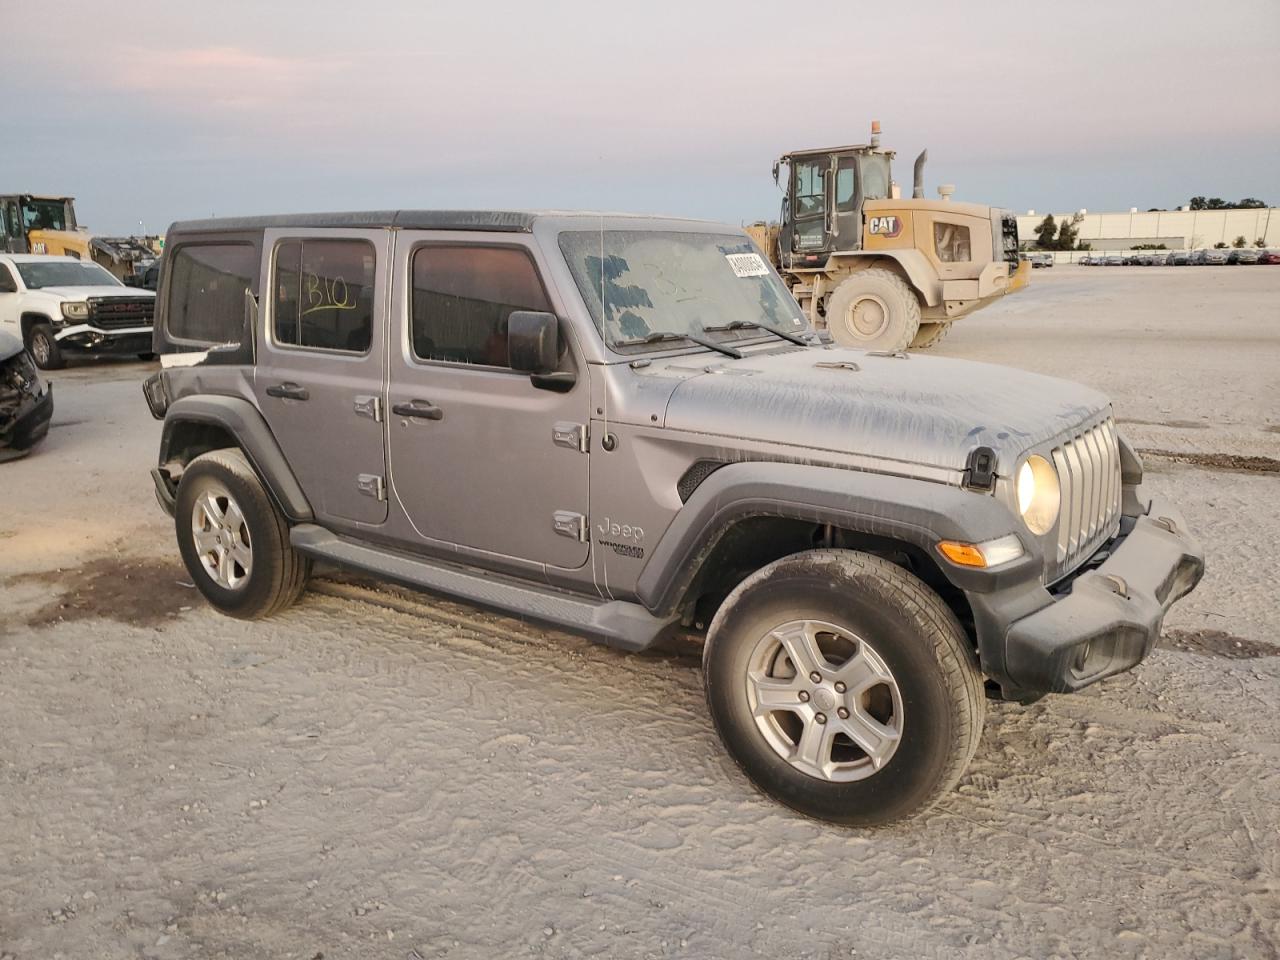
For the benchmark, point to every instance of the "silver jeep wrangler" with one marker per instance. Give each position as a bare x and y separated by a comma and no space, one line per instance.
621,426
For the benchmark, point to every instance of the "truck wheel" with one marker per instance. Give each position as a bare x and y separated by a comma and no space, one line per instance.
843,687
233,540
873,310
929,334
44,348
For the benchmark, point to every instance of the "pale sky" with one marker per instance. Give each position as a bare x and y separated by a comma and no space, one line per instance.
157,112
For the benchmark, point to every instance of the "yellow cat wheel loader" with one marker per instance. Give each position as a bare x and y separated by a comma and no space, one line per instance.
877,271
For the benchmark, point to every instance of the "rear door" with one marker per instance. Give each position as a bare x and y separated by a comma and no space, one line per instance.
319,375
480,456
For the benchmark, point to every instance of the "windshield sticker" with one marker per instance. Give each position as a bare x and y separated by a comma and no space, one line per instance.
747,264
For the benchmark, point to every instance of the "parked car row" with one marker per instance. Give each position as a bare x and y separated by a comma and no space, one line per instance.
1182,258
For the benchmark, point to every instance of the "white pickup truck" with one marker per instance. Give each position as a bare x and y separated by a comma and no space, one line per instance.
61,306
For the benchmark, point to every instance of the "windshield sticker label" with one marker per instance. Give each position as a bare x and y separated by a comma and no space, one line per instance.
747,264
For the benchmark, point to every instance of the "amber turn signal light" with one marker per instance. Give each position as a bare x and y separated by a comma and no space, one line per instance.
991,553
965,554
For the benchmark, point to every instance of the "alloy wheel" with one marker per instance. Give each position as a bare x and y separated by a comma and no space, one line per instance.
221,538
824,700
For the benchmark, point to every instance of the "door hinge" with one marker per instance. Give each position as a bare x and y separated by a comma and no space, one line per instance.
574,436
371,485
369,406
570,524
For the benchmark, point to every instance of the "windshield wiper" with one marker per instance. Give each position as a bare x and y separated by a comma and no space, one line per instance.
752,325
661,336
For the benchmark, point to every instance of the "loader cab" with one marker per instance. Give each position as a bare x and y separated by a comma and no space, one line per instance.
823,198
23,213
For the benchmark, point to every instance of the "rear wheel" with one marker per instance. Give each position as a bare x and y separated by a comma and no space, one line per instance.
873,309
233,539
844,687
44,348
929,334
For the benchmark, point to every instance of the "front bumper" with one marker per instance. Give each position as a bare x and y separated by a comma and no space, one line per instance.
84,338
29,424
1105,620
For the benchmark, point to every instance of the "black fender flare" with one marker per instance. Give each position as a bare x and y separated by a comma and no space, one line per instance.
241,420
917,512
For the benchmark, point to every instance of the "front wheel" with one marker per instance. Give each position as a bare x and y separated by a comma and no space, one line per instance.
233,539
844,687
873,309
44,348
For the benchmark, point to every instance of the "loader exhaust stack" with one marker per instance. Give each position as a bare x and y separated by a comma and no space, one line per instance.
917,191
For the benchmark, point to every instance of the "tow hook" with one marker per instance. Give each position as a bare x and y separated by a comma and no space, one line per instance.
1118,586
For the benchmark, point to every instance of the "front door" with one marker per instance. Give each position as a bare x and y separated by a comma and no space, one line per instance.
15,238
321,355
480,457
810,177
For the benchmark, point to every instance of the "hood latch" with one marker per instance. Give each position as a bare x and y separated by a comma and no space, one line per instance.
980,469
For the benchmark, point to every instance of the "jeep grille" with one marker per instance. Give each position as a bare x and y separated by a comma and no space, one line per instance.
1089,473
114,313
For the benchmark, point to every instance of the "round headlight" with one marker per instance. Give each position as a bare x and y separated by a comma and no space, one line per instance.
1039,495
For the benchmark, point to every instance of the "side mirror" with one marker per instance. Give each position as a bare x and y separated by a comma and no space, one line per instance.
533,342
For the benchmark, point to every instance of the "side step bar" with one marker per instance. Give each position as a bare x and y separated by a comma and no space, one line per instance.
618,623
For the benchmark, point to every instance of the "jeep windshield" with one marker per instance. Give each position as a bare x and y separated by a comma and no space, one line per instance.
647,289
62,273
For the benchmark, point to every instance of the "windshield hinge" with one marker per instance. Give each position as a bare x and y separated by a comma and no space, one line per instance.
574,436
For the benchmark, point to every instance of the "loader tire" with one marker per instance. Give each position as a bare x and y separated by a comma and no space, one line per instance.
873,310
929,334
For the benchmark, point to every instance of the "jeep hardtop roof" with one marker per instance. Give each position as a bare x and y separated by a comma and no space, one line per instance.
498,221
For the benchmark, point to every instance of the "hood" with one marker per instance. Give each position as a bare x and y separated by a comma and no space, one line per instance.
83,293
909,408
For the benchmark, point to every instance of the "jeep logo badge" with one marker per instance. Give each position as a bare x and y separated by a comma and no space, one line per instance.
885,226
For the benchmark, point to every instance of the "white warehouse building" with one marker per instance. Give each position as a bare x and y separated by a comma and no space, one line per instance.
1180,229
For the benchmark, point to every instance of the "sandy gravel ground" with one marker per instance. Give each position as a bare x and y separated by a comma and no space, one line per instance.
375,774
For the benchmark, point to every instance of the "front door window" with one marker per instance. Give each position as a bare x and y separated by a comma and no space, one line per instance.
810,200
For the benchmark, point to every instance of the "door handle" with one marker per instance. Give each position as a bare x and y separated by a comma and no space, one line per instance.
418,408
288,391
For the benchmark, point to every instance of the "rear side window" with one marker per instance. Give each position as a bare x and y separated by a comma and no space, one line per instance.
206,291
462,298
324,294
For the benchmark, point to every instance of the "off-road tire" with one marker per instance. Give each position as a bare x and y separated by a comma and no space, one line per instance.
278,573
929,334
888,299
44,349
915,634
